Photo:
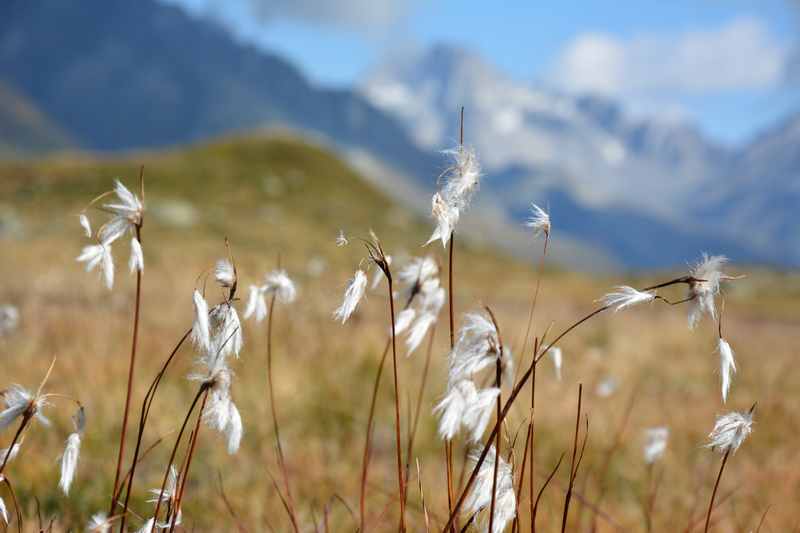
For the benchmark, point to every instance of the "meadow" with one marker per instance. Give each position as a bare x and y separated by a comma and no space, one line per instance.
281,203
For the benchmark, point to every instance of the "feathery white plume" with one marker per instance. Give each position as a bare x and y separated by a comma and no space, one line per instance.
256,304
655,444
709,269
10,452
99,254
727,366
233,429
418,331
87,227
127,214
465,407
729,431
539,221
446,217
136,261
99,523
279,283
18,400
558,358
341,240
418,271
404,319
461,178
69,461
226,330
224,273
201,336
170,489
477,347
480,497
352,295
625,296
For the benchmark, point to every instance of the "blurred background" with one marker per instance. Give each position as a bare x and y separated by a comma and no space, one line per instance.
676,121
651,131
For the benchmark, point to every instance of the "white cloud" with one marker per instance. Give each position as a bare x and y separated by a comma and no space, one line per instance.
366,16
741,54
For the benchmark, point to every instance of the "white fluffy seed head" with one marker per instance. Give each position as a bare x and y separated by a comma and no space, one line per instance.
446,217
727,366
99,254
84,222
136,261
655,443
729,431
224,273
279,283
461,178
538,221
709,270
233,429
69,461
352,296
625,296
256,304
99,523
557,357
480,496
418,271
201,336
477,347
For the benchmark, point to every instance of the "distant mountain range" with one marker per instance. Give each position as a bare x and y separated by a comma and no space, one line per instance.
116,75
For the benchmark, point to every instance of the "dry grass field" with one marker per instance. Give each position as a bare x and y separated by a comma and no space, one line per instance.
282,202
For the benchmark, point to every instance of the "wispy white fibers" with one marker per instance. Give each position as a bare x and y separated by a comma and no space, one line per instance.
18,400
3,510
341,239
225,330
709,270
460,183
418,330
224,273
418,271
256,304
87,227
201,336
538,221
170,489
477,347
99,254
352,296
464,406
625,296
729,431
127,214
99,523
558,360
655,444
136,261
69,459
233,430
281,285
10,452
480,497
727,366
403,320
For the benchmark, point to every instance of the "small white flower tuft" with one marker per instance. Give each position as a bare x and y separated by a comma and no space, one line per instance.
201,336
136,261
480,497
99,254
539,221
729,431
256,304
403,320
709,270
224,273
233,429
655,444
99,523
557,356
625,296
87,227
727,366
446,217
69,461
279,283
352,296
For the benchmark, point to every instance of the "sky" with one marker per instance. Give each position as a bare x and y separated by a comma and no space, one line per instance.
732,67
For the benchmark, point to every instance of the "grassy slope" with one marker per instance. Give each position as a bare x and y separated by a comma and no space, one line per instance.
275,197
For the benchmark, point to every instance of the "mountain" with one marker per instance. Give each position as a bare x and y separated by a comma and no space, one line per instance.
599,168
24,131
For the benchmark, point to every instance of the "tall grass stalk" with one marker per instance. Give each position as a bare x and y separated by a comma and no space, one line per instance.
132,363
574,462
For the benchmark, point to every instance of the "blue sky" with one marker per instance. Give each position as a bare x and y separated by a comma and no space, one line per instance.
720,63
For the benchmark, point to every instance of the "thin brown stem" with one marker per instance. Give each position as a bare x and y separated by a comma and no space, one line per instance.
368,440
185,474
131,368
541,491
573,465
535,298
397,433
26,417
204,388
16,503
497,456
281,457
716,486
